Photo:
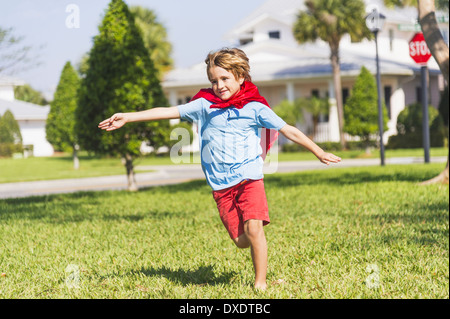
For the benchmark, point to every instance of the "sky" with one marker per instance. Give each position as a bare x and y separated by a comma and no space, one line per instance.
194,28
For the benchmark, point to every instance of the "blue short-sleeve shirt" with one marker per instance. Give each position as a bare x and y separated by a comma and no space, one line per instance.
230,140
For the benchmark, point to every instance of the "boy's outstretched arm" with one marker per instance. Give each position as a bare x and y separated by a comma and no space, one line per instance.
120,119
295,135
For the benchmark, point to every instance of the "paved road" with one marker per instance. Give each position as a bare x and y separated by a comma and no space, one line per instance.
172,174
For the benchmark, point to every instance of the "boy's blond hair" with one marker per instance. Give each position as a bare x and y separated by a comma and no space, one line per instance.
233,60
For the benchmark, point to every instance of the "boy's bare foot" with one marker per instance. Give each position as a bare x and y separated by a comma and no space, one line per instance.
260,287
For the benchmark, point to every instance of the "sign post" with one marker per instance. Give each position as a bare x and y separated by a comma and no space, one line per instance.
419,52
375,22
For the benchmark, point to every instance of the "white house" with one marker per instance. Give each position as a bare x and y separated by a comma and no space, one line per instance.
30,117
284,69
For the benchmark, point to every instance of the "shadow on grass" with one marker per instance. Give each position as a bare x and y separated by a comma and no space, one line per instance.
87,206
425,223
62,208
204,275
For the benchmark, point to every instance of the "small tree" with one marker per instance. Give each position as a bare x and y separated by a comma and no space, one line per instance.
120,78
9,129
14,55
317,107
410,128
361,108
10,136
28,94
330,20
289,111
60,125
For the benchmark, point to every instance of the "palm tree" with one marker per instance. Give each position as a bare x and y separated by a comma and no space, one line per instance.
440,52
436,44
317,107
329,21
155,39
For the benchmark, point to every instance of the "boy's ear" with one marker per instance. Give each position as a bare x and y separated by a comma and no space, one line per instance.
241,80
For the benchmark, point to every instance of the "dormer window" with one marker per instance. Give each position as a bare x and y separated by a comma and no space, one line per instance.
246,37
274,34
245,41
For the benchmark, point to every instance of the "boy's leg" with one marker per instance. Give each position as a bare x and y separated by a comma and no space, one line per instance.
255,234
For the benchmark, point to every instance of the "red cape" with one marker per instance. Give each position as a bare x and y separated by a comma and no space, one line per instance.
248,93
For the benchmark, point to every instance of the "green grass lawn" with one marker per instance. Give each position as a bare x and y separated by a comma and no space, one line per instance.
335,233
61,167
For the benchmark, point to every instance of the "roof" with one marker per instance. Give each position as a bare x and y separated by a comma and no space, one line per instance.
24,110
286,11
272,62
10,81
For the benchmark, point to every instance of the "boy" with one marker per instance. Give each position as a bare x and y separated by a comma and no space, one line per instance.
230,117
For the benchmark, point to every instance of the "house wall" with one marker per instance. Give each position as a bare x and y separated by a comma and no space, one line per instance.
6,93
261,31
33,133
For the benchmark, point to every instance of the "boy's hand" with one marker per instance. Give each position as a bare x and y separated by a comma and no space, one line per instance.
113,123
328,158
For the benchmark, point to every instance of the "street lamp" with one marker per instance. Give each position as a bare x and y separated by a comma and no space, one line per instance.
375,21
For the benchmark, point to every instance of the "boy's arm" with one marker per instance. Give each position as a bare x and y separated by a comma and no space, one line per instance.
120,119
295,135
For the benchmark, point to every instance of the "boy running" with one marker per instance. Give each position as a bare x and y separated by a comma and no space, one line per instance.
231,116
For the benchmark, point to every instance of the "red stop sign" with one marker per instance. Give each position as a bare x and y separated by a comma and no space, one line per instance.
418,49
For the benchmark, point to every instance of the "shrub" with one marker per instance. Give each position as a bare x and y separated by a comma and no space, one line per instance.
409,127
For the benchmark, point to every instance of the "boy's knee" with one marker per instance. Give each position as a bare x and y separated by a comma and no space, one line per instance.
241,241
253,228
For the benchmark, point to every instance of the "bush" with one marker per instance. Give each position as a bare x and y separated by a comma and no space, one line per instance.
409,127
361,108
8,149
10,136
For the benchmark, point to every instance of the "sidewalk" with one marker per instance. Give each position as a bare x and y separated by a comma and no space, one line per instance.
174,174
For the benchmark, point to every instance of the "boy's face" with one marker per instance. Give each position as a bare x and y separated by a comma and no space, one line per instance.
224,84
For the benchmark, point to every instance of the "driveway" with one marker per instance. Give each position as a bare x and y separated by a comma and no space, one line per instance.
173,174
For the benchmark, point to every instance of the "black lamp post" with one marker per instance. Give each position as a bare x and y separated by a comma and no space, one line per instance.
375,22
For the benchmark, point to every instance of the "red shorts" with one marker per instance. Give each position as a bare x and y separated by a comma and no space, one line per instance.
240,203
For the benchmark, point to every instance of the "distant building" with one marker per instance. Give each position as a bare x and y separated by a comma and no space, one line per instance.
31,118
283,69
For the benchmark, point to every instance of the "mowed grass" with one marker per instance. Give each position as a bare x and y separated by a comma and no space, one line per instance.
335,233
58,167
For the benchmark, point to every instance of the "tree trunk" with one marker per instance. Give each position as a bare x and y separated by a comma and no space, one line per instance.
433,36
76,161
439,50
315,125
132,185
338,91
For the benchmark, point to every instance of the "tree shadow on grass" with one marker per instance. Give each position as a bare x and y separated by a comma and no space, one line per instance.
426,219
204,275
62,208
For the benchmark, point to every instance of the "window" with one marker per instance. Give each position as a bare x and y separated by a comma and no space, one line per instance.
387,99
418,94
245,41
345,94
323,118
391,39
274,35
